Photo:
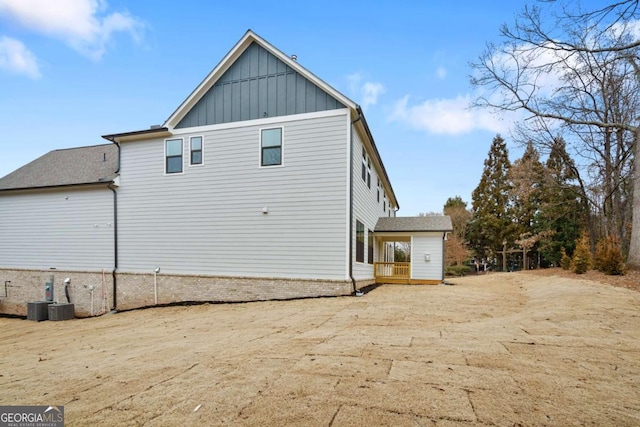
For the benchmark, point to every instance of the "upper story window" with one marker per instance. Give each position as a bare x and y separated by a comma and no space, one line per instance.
173,155
378,190
366,167
384,206
271,147
195,150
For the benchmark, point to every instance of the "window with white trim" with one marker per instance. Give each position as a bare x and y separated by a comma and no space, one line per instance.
173,155
271,147
366,167
195,150
359,241
370,246
378,190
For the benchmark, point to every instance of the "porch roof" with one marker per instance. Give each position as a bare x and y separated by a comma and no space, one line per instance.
414,224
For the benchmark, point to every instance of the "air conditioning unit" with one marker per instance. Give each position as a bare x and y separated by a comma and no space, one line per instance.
62,311
38,310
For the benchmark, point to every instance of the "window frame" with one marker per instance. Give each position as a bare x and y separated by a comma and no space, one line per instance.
191,138
167,157
261,148
364,164
370,246
359,244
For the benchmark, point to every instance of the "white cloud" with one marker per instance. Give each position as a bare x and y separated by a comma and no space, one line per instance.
16,58
452,116
82,24
366,93
441,72
370,92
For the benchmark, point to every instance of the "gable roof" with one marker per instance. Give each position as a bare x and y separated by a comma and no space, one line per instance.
440,223
230,58
58,168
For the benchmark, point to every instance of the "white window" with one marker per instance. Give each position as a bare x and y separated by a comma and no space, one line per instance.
366,167
359,241
195,150
173,155
271,147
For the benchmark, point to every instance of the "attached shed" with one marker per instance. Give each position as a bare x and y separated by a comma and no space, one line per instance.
425,235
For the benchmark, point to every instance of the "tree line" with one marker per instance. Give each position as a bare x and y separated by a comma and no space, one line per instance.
574,76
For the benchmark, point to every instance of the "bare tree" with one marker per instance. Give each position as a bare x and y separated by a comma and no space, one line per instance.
576,71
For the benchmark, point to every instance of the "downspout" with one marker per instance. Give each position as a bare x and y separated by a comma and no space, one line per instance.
115,230
115,246
353,280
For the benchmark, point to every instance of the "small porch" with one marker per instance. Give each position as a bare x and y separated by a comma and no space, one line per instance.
398,273
424,238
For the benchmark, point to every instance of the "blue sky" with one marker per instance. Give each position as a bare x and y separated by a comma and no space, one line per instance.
72,70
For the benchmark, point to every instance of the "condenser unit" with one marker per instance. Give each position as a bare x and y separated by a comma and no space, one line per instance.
62,311
38,310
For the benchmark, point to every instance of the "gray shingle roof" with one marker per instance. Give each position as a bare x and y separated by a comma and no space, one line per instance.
414,223
72,166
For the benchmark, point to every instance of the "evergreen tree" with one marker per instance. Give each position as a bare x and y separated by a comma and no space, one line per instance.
562,208
491,223
526,177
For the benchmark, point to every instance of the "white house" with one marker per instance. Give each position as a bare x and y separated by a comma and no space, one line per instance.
265,183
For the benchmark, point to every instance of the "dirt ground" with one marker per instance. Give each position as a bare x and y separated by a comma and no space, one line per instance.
501,349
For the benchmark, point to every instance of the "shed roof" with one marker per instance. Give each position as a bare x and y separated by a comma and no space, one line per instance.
414,224
72,166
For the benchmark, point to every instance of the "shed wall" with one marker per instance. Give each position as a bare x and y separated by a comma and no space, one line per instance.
429,243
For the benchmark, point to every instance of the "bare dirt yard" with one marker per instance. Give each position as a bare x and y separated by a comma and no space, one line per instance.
501,349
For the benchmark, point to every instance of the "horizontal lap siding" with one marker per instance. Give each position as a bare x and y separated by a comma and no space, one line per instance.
427,244
209,220
71,229
366,208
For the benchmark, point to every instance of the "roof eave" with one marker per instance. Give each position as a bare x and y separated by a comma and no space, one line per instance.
51,187
137,134
367,130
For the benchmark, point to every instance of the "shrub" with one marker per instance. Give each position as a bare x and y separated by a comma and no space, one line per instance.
581,261
458,270
608,258
565,260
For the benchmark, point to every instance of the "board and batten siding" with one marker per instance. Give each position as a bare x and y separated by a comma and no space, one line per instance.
366,208
209,220
66,229
258,85
427,243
